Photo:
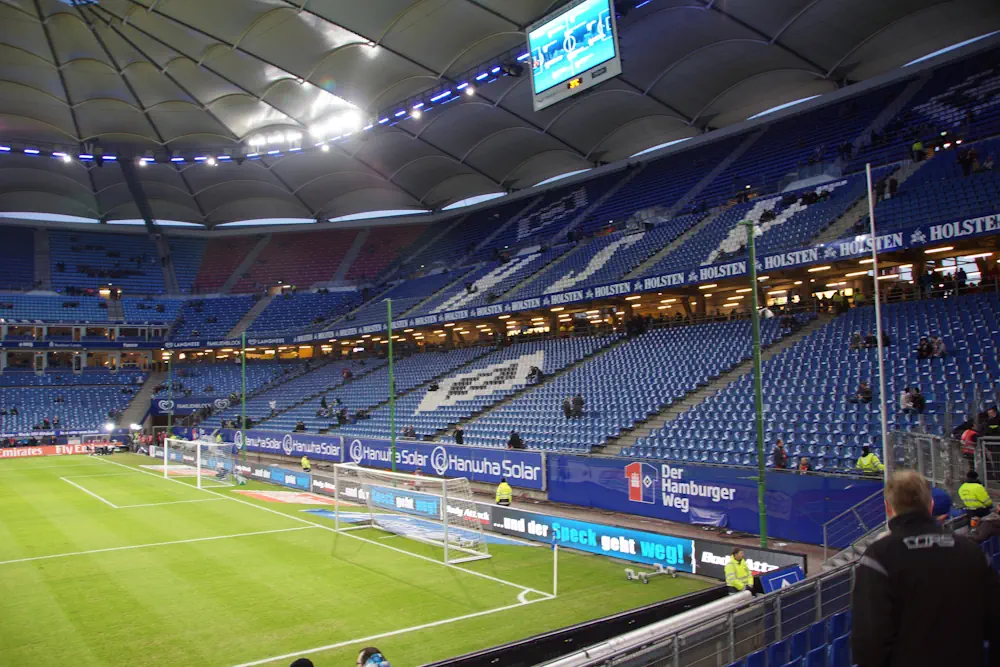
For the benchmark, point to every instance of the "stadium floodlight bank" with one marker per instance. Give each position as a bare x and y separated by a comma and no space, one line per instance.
426,509
210,463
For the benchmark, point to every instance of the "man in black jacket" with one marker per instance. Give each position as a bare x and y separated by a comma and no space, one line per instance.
919,584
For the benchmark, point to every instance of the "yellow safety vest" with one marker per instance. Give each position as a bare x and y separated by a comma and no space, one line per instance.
870,463
504,492
738,575
974,496
305,462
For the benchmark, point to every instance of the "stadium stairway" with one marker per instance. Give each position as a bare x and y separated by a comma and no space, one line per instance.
116,312
682,203
594,205
677,242
352,254
450,431
699,396
859,211
251,315
43,267
137,410
509,294
890,111
514,219
245,265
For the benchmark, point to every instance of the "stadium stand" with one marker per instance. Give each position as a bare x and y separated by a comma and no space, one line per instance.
87,260
211,318
224,378
292,311
187,254
147,310
17,258
220,259
31,308
85,400
487,377
807,387
620,387
297,258
382,247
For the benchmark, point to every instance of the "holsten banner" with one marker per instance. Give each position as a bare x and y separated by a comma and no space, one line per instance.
525,470
797,505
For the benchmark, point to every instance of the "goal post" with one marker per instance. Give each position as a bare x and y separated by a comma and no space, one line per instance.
210,464
431,510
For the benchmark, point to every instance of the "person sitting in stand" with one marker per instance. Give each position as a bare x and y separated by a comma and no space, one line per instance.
974,496
738,575
567,407
515,441
578,405
856,341
804,465
871,341
862,395
940,349
919,402
409,432
300,426
459,435
924,349
906,402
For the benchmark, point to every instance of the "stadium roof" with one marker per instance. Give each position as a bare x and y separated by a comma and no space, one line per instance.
204,78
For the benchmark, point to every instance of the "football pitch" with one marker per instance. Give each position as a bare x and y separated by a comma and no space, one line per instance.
104,562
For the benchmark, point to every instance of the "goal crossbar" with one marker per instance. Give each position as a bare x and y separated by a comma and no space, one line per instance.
211,463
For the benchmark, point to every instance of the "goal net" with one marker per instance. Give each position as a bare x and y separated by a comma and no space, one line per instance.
209,464
435,511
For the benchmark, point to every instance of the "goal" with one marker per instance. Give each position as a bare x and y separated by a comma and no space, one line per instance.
432,510
210,464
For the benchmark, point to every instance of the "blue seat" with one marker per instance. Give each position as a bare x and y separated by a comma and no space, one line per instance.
794,663
817,634
840,652
756,659
816,657
798,645
840,625
777,653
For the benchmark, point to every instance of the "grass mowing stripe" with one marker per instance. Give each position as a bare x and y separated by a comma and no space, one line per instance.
153,544
90,493
345,534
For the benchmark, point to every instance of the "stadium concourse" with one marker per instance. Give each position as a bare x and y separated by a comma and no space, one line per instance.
398,235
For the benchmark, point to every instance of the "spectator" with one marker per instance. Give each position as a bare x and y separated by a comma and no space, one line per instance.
804,465
302,662
939,349
410,432
991,424
924,349
504,493
300,426
974,496
893,187
941,508
534,375
871,341
906,402
862,395
515,441
738,575
567,407
306,467
919,402
56,422
918,584
459,435
780,456
322,403
917,150
987,527
371,657
273,405
578,405
346,374
869,462
856,341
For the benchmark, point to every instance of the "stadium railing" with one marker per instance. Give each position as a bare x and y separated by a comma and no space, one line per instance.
853,524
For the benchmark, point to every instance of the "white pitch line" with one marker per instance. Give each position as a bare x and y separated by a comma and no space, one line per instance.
99,474
62,465
392,633
171,502
153,544
345,534
90,493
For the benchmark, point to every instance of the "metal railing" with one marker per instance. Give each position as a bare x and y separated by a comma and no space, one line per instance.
734,634
944,461
853,524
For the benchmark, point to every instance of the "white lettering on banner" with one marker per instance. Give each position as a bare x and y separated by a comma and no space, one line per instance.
426,319
400,324
791,258
566,297
988,223
612,290
456,315
677,493
758,566
658,282
863,245
526,304
288,444
353,331
492,309
305,338
266,341
722,271
371,328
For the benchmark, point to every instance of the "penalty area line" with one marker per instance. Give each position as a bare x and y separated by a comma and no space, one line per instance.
153,544
392,633
345,534
90,493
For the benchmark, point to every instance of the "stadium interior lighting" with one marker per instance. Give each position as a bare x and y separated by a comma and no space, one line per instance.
109,427
210,162
134,427
981,255
470,91
744,290
855,274
865,261
840,284
797,282
633,298
557,309
706,294
662,307
817,269
736,298
778,291
730,305
416,114
505,317
709,286
668,301
891,276
450,324
942,249
761,278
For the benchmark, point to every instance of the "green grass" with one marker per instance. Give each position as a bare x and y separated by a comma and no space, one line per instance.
248,597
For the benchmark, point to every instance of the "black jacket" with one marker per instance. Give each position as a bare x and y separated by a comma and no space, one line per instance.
923,596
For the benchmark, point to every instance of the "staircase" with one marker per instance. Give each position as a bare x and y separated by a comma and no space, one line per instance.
251,315
170,283
689,196
594,205
443,290
509,294
889,112
416,252
839,227
116,312
352,254
136,411
858,527
43,261
700,395
512,221
450,430
677,242
245,265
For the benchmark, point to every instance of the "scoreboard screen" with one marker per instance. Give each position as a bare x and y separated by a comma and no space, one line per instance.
573,50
